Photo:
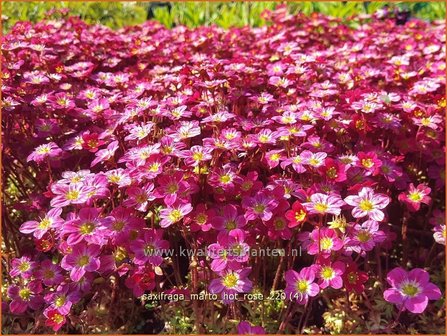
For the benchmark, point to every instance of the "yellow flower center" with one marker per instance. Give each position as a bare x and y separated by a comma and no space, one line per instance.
326,243
415,196
366,205
327,273
302,286
175,215
321,207
367,163
87,228
231,225
363,236
153,168
410,289
72,195
83,261
25,294
24,266
230,280
57,318
118,225
332,172
279,224
59,302
300,215
259,208
275,157
197,156
314,162
201,218
48,274
225,179
120,254
172,188
43,150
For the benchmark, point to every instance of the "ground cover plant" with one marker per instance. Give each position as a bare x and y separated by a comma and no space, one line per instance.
318,140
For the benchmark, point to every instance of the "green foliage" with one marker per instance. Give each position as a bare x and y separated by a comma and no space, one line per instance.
112,14
193,14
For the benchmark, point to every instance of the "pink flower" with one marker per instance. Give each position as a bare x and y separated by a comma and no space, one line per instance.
69,194
229,249
229,218
149,248
49,150
230,283
415,196
50,273
367,203
330,274
25,296
260,206
174,213
22,267
139,198
323,241
38,228
105,154
82,259
324,204
245,328
55,319
410,290
366,236
88,226
300,286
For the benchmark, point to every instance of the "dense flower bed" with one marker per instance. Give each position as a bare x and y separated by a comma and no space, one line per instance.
119,147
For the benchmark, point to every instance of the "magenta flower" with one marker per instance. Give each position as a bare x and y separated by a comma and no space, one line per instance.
300,286
174,213
229,218
410,290
260,206
22,267
230,283
149,248
171,187
88,226
230,248
366,236
324,241
25,296
367,203
49,150
82,259
103,155
38,228
50,273
140,280
69,194
415,196
62,299
139,198
324,204
245,328
330,274
195,155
